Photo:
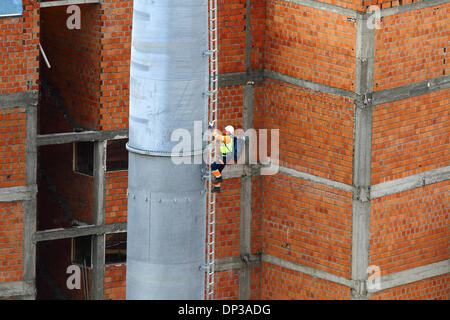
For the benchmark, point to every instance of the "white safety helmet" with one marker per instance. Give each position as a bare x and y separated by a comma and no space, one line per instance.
229,129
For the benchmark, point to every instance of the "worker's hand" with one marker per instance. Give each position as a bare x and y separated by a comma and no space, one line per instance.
211,125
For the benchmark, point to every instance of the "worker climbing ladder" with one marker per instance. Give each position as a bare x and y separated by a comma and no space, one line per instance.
212,117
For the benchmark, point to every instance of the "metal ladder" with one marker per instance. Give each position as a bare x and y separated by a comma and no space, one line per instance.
212,118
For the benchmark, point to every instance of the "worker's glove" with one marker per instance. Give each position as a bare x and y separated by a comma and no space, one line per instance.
211,125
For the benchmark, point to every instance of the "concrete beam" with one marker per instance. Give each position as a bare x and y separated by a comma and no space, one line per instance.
413,275
70,137
17,289
378,97
80,231
314,86
411,7
239,170
240,78
411,182
325,7
66,3
21,99
22,193
356,13
237,263
316,179
411,90
306,270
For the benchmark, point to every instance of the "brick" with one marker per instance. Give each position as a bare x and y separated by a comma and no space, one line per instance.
406,53
278,283
436,288
410,229
307,223
411,136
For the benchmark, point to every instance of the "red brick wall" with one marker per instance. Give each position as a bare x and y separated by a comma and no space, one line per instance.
19,50
410,47
228,219
316,130
436,288
230,107
308,224
18,73
410,229
350,4
255,284
227,285
311,44
115,281
12,147
116,196
411,136
387,3
258,24
257,214
278,283
11,241
231,33
117,16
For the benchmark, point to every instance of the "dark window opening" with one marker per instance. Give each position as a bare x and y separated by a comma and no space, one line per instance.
82,251
84,157
116,155
116,248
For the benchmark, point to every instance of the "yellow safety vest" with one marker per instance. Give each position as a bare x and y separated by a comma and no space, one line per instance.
226,148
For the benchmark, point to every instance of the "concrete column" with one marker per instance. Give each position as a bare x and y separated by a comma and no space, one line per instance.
29,206
365,51
98,257
246,181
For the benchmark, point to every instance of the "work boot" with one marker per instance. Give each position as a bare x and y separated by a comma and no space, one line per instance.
217,180
216,189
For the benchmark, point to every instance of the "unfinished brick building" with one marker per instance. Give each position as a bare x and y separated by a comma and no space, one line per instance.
364,124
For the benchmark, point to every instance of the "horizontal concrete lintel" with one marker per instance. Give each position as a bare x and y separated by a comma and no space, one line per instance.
239,170
378,97
386,282
310,85
61,233
356,13
240,78
411,182
69,137
236,263
411,7
66,3
411,90
21,100
312,178
413,275
326,7
21,193
16,289
306,270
